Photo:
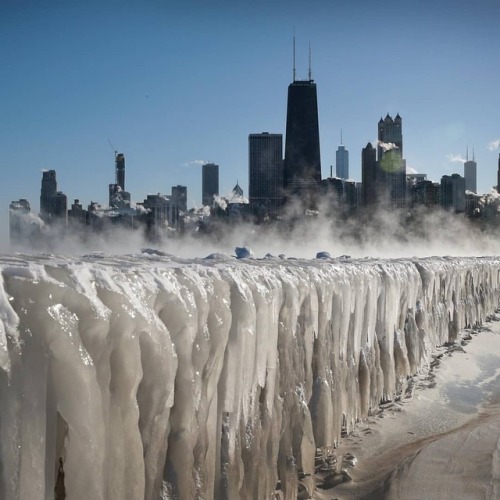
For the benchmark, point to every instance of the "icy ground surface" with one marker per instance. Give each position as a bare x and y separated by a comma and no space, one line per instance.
153,377
440,443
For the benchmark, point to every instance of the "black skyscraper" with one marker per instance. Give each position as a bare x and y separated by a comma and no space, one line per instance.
302,167
120,170
369,175
210,183
392,166
498,174
118,197
265,169
53,203
49,188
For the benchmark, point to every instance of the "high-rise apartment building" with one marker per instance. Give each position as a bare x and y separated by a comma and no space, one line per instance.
210,183
302,167
265,173
392,166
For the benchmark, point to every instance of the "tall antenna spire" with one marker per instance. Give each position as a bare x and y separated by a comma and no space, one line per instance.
294,54
467,153
473,154
310,79
341,143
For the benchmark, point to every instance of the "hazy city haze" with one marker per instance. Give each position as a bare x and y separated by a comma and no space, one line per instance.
172,85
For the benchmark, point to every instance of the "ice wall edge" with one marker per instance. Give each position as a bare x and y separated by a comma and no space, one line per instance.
160,378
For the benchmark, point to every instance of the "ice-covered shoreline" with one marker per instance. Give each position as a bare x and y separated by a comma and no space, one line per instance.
444,443
210,378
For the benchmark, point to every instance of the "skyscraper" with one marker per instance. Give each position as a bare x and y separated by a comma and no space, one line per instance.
53,203
392,166
265,173
179,196
48,190
342,161
452,194
369,177
120,170
302,167
210,183
470,173
498,174
118,197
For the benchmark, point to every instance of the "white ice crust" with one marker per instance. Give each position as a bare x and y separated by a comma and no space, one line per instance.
153,377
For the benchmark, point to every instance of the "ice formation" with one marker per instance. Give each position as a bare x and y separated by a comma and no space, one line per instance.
152,377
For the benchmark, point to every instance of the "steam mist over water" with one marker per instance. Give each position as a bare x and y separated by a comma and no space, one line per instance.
385,235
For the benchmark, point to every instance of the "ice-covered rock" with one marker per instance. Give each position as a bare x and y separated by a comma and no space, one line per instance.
243,253
323,255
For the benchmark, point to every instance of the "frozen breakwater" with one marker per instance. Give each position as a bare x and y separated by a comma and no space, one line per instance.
153,377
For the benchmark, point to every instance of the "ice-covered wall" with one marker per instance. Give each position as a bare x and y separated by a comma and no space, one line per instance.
156,378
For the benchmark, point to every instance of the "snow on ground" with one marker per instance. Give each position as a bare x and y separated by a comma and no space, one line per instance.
442,443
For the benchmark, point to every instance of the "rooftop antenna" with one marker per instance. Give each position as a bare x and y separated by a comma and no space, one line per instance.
473,154
341,143
467,153
310,79
294,72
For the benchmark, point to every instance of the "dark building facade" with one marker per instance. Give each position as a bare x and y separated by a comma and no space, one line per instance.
77,215
120,170
342,162
162,215
210,183
179,197
265,173
48,190
452,192
498,174
369,177
118,197
302,167
425,193
20,230
392,166
53,203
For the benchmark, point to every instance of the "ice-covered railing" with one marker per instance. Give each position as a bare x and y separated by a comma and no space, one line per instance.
155,378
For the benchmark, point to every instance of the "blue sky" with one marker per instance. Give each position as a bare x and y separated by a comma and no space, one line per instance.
171,84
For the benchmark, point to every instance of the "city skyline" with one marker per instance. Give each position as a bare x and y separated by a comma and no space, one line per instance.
175,87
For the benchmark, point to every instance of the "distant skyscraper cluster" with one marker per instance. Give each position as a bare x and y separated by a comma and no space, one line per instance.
156,215
277,181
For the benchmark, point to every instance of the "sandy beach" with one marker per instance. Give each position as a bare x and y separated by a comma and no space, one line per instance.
442,442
